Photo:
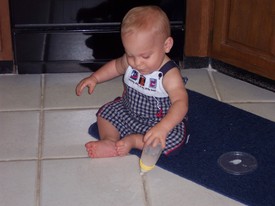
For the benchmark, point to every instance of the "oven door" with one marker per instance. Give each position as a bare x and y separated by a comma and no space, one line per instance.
53,36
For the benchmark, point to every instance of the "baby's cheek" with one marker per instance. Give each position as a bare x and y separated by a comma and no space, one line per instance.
130,62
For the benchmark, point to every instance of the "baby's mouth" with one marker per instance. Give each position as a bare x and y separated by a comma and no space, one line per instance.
143,72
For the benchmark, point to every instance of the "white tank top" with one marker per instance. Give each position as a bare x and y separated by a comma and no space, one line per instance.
149,84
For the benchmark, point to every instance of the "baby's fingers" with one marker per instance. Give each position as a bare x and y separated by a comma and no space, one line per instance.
146,138
79,89
149,139
90,89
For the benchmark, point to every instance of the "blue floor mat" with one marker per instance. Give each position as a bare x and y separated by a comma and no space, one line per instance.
217,128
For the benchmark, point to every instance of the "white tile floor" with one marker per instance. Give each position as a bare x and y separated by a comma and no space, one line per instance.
43,127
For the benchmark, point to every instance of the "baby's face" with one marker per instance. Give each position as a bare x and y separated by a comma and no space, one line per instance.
145,52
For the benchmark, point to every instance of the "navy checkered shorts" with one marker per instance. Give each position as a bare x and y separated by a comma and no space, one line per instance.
136,113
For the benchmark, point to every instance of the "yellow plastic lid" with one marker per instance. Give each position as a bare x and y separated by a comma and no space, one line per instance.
145,168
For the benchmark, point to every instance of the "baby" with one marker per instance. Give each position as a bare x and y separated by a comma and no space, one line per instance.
154,103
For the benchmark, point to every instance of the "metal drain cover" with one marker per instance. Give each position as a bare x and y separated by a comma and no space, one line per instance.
237,163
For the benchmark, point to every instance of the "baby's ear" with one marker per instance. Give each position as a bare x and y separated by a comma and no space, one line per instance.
168,44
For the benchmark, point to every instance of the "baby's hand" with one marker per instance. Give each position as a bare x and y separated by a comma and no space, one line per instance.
156,135
89,82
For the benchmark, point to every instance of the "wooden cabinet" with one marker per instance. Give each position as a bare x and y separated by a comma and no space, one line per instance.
244,35
6,53
241,33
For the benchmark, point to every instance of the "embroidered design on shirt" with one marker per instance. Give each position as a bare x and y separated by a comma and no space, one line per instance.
149,84
153,83
134,75
142,80
159,114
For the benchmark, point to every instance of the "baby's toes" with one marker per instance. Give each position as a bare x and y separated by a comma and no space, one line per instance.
120,144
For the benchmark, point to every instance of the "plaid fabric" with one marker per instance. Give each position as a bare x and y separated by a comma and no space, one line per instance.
136,113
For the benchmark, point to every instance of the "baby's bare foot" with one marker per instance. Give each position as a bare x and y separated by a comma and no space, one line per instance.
123,147
101,148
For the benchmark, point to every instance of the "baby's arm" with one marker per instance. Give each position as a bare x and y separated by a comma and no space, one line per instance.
175,88
107,72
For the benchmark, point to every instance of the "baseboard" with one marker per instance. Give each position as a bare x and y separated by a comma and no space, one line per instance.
6,67
230,70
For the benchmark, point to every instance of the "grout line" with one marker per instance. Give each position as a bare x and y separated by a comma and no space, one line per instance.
65,158
209,71
18,160
46,158
146,192
20,110
50,109
72,108
40,142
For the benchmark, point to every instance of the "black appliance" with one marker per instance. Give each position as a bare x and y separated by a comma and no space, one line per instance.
52,36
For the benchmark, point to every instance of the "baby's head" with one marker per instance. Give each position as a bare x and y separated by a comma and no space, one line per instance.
145,33
146,18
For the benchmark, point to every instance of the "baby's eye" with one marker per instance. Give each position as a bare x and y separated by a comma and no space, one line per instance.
145,57
129,57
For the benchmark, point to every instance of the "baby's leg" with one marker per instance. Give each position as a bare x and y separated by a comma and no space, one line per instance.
124,145
105,147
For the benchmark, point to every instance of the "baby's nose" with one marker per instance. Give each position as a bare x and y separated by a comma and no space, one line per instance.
137,62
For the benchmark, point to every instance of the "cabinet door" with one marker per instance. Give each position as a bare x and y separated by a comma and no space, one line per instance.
244,35
5,32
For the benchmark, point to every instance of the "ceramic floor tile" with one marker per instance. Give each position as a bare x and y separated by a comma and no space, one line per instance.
199,81
265,110
20,92
101,182
234,90
60,91
18,182
75,179
160,183
66,132
19,135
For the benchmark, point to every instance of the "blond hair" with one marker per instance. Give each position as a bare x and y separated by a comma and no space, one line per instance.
146,18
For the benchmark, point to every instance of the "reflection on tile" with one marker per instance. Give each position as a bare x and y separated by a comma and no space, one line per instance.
19,135
20,92
60,92
234,90
185,191
72,43
18,181
199,81
66,132
107,181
